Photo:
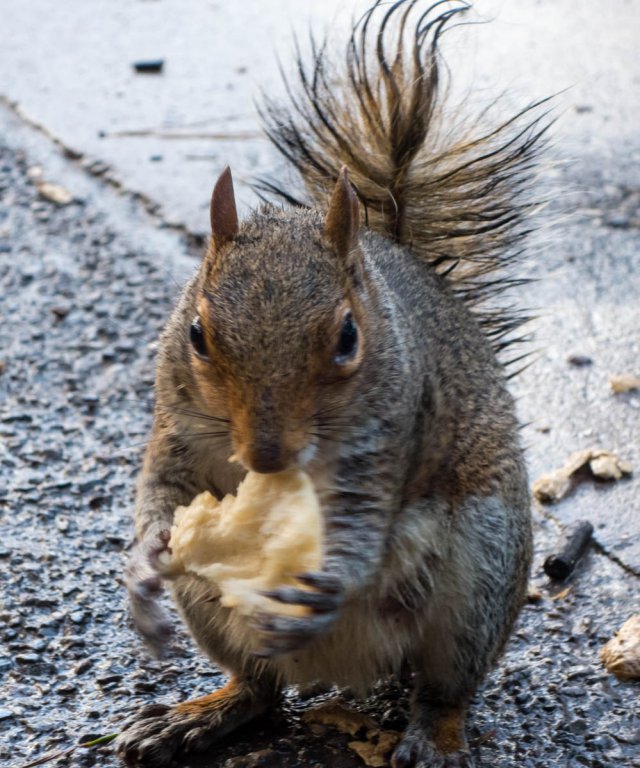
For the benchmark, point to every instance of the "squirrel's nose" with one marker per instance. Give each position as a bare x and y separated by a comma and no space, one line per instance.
267,457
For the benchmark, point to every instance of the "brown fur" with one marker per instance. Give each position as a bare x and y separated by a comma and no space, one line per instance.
211,701
456,188
410,436
449,732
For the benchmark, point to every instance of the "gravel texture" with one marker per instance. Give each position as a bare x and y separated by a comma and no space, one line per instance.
81,308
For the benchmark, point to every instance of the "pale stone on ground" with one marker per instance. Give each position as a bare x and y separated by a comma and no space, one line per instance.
621,655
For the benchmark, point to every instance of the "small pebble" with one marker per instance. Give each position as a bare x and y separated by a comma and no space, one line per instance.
61,311
573,690
580,361
67,689
149,67
83,666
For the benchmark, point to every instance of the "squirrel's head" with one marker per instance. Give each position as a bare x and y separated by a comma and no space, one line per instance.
280,328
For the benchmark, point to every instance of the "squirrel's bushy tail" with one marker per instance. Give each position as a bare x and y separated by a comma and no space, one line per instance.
456,193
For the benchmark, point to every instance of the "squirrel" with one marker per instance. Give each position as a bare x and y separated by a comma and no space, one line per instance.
370,354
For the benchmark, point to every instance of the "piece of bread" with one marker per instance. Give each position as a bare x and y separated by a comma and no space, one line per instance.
260,539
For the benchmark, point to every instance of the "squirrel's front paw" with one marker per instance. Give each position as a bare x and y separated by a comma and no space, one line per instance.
284,634
144,584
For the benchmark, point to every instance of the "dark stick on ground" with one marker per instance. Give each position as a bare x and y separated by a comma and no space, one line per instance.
576,541
150,67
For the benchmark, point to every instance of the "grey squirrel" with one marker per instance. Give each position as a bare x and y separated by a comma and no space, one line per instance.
367,355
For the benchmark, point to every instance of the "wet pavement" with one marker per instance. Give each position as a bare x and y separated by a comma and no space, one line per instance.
84,289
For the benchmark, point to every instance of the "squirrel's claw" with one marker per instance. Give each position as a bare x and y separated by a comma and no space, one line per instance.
144,585
317,602
151,622
281,634
145,589
322,581
284,634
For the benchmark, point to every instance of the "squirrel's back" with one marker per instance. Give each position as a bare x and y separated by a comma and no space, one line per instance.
463,380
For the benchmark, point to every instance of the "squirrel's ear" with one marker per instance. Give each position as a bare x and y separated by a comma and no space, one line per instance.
343,217
224,216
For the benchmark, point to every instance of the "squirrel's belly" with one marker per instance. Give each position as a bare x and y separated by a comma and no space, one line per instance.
367,643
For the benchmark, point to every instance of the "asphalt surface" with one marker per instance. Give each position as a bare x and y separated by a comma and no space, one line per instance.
82,303
84,290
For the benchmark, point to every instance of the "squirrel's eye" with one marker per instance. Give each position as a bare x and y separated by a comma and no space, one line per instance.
196,335
348,341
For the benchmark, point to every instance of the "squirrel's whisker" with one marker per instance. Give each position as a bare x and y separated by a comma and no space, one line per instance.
194,414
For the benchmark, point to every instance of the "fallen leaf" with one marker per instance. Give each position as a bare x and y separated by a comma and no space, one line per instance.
577,460
621,655
607,466
600,463
377,750
338,715
624,382
552,487
562,594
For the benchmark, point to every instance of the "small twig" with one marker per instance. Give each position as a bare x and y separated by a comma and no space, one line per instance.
201,157
160,134
560,566
65,752
483,738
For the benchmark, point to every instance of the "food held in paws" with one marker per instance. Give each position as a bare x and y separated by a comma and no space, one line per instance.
255,541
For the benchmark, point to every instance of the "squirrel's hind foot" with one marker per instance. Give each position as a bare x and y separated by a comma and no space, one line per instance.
415,750
160,733
440,743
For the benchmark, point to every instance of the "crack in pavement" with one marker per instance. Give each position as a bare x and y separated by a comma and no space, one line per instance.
105,173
